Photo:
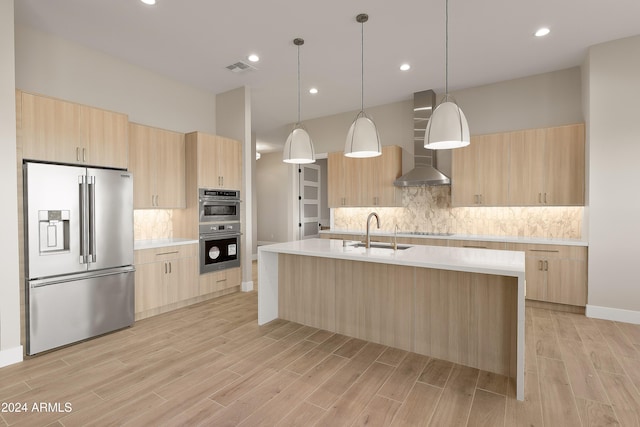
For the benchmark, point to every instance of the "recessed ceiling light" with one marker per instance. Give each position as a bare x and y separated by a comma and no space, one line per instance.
253,58
150,2
542,32
313,90
405,67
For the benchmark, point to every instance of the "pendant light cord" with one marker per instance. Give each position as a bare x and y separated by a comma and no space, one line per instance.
446,49
298,83
362,66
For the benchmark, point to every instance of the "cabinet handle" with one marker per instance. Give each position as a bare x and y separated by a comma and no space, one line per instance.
480,196
473,246
540,265
169,268
545,198
545,250
165,268
223,181
157,200
167,253
84,155
78,154
546,266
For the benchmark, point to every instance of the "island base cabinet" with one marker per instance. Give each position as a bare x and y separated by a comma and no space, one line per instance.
306,291
466,318
375,302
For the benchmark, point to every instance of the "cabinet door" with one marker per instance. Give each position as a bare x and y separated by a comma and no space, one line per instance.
388,168
464,171
143,166
493,170
105,133
181,282
208,173
149,286
170,169
536,278
526,167
567,282
51,129
335,180
229,163
565,163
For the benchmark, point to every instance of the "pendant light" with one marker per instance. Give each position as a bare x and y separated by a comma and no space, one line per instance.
448,126
362,139
299,147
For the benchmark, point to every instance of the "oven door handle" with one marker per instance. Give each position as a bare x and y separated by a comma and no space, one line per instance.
219,235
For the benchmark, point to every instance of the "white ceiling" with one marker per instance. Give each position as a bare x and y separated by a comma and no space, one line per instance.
194,40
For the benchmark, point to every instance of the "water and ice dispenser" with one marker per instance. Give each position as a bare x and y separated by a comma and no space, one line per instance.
54,231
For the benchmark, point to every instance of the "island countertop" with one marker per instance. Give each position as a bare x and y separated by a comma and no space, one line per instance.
487,261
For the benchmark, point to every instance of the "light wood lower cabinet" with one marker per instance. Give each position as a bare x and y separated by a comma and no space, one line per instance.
165,276
219,280
555,273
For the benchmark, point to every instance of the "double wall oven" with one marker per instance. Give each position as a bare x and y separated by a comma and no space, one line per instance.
219,229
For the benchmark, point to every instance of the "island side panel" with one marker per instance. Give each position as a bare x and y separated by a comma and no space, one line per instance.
306,291
268,283
466,318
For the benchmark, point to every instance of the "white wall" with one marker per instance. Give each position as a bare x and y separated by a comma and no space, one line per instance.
274,198
10,348
234,121
49,65
614,202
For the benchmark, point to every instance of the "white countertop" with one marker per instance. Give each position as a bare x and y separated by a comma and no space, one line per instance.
161,243
487,261
477,237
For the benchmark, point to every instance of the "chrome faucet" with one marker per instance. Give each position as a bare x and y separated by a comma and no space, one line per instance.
372,214
395,238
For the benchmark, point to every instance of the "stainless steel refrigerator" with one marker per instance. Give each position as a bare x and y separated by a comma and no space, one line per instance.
79,253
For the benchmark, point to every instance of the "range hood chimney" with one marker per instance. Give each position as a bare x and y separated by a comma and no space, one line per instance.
425,170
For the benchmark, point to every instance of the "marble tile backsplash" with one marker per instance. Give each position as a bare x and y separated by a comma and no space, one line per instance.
429,209
152,224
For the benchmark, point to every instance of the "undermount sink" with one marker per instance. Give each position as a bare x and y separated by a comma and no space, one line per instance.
381,245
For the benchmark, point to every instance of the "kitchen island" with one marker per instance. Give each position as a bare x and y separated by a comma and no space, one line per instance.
459,304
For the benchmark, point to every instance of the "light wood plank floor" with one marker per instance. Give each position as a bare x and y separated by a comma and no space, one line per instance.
211,364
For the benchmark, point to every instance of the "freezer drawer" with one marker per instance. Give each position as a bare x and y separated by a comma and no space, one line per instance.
65,310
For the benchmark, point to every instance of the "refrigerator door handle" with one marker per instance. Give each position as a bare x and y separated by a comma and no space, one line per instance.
92,218
84,243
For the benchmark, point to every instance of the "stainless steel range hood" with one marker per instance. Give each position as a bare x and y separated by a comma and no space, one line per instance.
425,170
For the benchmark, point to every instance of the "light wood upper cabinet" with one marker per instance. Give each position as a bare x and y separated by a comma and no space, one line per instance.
526,170
219,161
157,160
565,160
523,168
547,167
66,132
364,182
480,172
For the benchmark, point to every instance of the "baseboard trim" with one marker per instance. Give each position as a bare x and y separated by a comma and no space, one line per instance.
614,314
554,306
247,286
11,356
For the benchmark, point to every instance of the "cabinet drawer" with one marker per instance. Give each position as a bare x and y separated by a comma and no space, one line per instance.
578,253
478,244
219,280
166,253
